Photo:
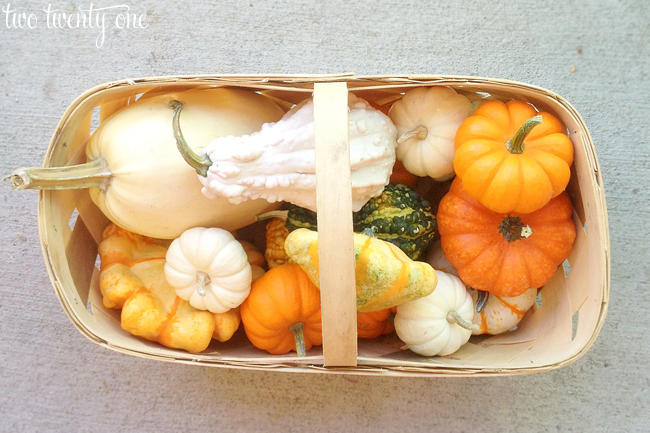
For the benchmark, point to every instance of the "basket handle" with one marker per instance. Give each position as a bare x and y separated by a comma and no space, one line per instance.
335,233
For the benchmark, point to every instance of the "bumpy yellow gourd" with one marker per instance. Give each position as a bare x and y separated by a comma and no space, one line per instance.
384,275
132,278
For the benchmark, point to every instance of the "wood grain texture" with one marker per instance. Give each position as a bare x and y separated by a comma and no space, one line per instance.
53,379
335,241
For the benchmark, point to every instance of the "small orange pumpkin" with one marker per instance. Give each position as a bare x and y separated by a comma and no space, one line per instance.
504,254
512,158
374,323
282,312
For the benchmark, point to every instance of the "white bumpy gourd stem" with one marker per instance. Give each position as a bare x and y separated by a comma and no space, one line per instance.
277,163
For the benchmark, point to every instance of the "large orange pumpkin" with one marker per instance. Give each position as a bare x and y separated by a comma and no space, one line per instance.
509,161
282,312
504,254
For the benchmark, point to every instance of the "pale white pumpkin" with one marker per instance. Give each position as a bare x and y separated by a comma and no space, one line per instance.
209,268
440,323
426,119
277,163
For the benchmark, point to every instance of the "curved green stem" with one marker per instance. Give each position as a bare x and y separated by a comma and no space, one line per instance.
200,163
91,174
454,317
516,143
282,214
299,334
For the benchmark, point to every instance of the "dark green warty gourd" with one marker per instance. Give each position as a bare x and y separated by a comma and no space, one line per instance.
398,215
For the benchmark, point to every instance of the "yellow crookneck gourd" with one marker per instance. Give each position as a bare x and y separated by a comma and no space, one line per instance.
384,275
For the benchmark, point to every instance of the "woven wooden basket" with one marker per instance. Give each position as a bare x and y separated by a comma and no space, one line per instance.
573,303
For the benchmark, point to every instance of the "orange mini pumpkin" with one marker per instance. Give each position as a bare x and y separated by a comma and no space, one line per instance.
374,323
282,312
512,158
504,254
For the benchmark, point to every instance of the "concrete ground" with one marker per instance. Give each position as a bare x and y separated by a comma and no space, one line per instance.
596,53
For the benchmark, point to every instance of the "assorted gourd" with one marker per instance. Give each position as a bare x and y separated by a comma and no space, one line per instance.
511,158
136,175
439,323
132,278
282,312
277,163
209,268
179,173
384,275
427,119
398,215
504,253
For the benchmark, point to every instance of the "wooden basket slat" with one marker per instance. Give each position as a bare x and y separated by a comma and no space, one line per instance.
556,327
573,189
108,108
578,278
555,310
542,341
81,250
76,141
94,219
590,317
504,353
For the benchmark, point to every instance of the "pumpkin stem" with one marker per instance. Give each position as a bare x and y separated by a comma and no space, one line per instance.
516,144
454,317
203,280
513,229
282,214
299,334
420,132
481,300
200,163
91,174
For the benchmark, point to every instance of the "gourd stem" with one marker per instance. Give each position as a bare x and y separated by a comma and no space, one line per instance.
420,132
299,334
282,214
90,174
454,317
513,229
481,300
516,143
200,163
203,280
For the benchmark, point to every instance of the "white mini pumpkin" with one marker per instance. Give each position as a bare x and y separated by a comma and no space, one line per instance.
440,323
209,268
427,119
